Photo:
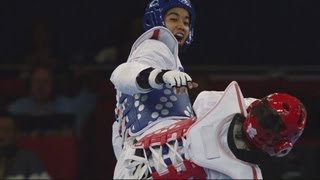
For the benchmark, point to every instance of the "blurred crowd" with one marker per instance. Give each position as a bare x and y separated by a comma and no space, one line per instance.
58,101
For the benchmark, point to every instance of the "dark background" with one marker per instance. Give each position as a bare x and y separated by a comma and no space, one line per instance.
266,46
226,32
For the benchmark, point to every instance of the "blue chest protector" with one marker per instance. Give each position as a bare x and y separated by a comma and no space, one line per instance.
144,110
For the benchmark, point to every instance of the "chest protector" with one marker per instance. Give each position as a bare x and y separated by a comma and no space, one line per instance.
142,111
207,138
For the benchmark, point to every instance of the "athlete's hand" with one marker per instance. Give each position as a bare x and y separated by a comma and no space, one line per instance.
179,81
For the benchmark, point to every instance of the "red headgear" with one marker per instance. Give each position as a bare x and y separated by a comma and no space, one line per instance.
293,116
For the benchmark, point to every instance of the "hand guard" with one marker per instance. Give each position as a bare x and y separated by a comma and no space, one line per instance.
176,78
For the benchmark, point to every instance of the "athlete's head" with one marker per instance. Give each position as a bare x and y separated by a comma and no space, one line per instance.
275,123
177,15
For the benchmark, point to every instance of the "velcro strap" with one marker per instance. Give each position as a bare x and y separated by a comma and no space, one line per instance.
152,79
164,135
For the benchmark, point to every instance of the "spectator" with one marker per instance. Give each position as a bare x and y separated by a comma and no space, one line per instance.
15,162
45,99
41,99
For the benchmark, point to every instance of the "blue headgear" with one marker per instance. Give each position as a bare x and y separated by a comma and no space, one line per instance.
156,9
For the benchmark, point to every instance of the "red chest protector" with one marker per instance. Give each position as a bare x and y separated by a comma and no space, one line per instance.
165,152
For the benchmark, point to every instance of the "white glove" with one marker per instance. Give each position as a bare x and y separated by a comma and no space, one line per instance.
176,78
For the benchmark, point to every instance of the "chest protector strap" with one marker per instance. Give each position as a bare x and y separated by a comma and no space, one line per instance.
165,153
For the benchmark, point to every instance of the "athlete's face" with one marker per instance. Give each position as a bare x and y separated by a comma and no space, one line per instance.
177,20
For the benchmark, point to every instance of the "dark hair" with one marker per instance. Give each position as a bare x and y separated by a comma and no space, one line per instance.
266,117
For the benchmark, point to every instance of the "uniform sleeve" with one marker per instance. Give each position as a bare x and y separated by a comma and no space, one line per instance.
153,54
124,77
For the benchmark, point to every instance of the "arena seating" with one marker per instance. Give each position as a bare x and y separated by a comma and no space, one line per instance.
59,154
